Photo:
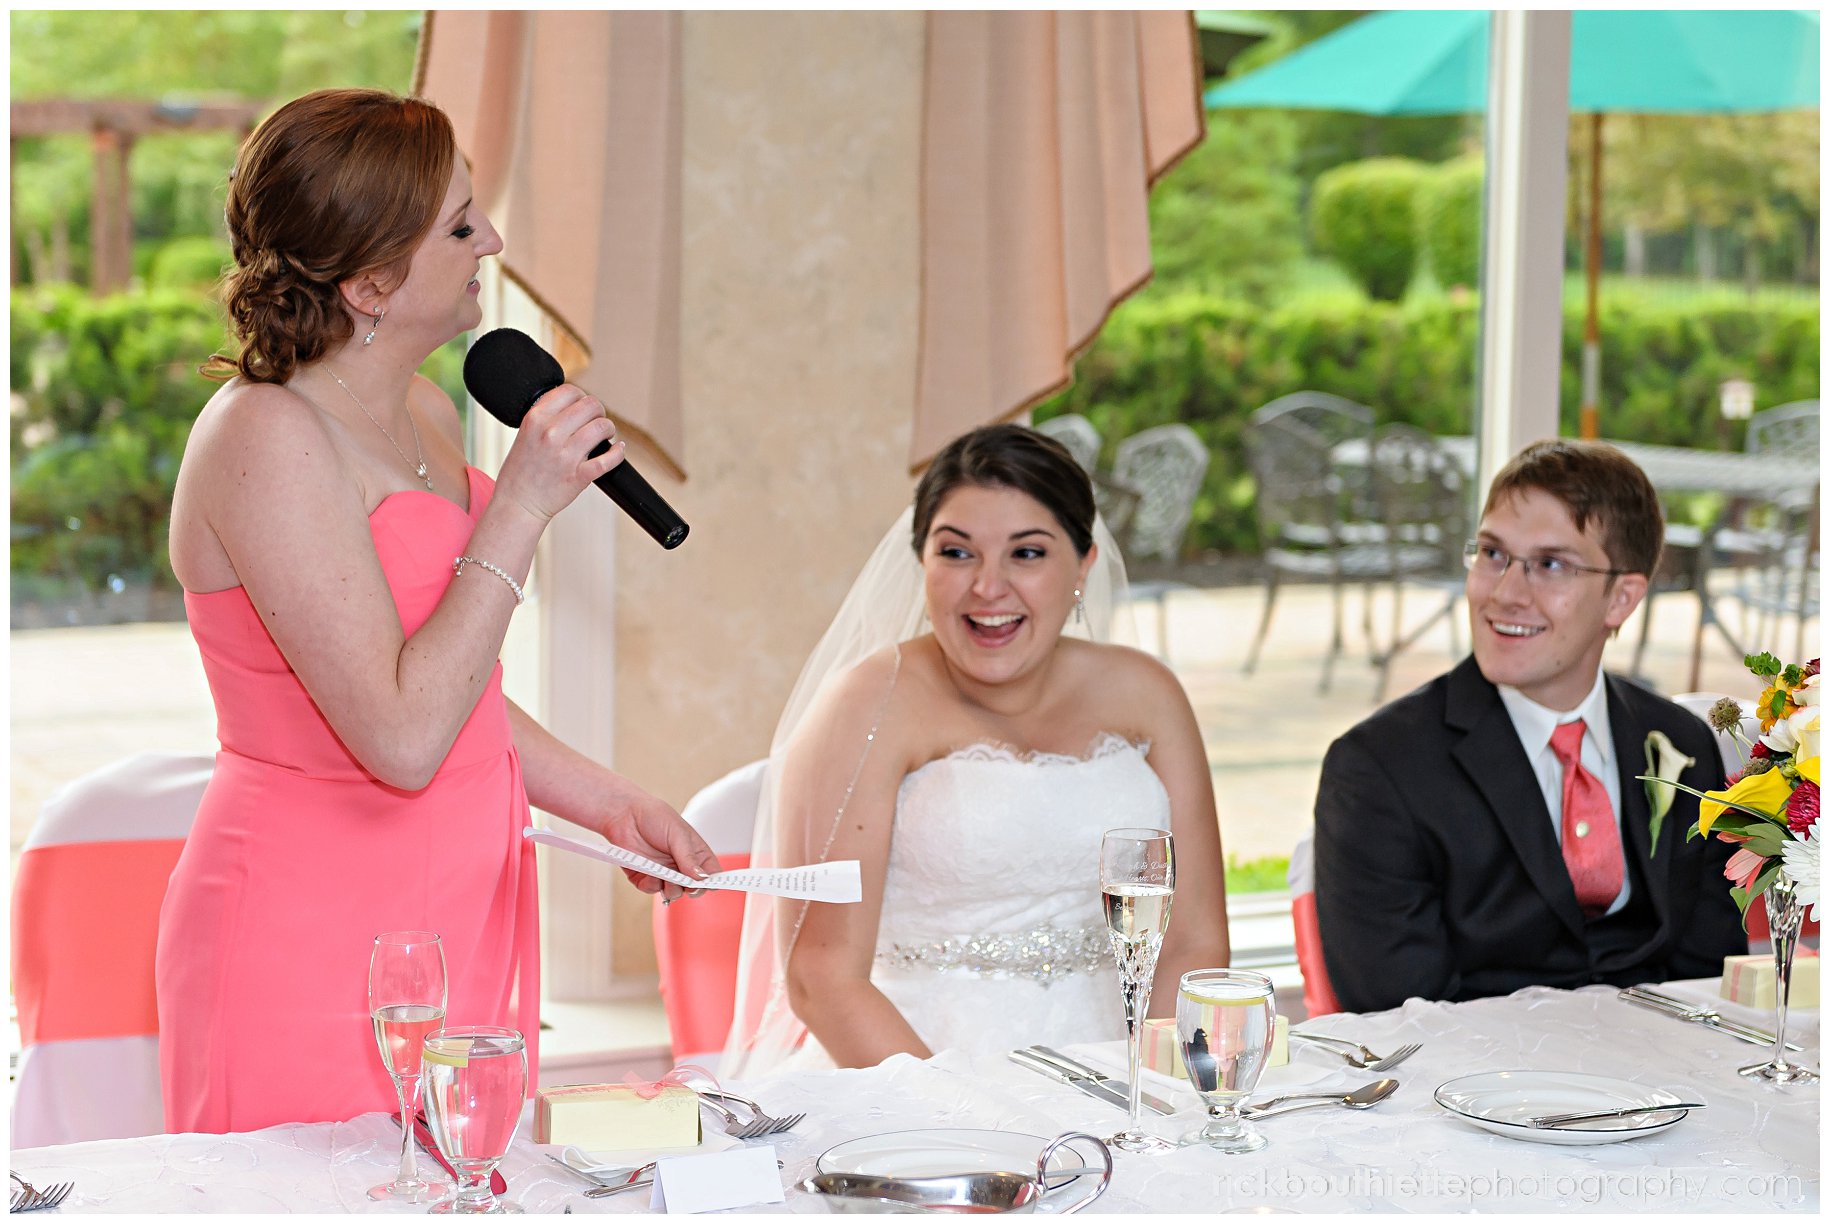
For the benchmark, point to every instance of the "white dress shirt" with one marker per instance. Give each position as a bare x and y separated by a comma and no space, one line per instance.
1533,724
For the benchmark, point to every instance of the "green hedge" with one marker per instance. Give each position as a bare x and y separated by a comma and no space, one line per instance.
1211,363
1450,209
105,392
1365,214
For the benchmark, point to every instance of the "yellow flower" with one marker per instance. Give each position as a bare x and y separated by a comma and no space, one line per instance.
1808,768
1766,792
1765,706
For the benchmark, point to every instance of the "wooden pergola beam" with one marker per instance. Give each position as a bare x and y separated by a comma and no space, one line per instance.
113,124
128,116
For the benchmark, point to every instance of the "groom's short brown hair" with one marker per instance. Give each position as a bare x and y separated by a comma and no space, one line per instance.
1594,481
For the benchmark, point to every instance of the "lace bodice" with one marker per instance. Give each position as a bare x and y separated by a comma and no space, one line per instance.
991,926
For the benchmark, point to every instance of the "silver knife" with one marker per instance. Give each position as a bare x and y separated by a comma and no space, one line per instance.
1119,1086
1086,1084
1700,1015
1555,1120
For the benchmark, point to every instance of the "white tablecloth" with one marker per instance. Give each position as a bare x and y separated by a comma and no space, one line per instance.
1754,1149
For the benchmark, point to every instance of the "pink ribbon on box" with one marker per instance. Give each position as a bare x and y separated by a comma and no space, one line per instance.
686,1075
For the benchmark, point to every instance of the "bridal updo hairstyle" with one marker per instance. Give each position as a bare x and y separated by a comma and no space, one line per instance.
1010,457
332,185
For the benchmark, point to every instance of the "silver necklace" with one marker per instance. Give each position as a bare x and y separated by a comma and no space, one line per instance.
419,469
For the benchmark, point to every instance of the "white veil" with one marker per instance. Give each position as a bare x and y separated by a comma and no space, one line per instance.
885,606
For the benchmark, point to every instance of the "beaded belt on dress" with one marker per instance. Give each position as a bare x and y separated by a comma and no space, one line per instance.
1045,953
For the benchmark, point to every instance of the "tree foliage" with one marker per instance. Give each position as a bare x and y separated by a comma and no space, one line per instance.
178,178
1226,218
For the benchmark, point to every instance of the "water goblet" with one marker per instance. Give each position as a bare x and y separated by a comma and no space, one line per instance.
1137,878
406,1001
1225,1020
476,1083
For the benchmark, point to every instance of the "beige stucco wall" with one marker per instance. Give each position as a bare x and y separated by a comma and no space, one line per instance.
799,310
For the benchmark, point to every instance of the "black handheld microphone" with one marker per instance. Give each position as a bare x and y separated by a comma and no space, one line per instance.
506,371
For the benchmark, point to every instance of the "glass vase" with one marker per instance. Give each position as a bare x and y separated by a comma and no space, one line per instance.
1785,916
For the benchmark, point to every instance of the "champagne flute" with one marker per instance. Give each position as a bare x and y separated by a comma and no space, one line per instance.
1225,1020
476,1083
1137,875
406,1001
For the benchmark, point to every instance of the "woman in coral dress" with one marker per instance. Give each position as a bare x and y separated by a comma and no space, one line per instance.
349,578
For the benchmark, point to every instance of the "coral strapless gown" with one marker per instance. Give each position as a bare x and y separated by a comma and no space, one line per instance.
299,858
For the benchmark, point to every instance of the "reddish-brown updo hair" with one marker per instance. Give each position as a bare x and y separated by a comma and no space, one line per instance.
332,185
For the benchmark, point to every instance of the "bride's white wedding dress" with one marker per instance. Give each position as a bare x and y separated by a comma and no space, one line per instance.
992,934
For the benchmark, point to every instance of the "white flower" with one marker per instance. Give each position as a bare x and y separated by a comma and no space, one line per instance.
1782,739
1801,867
1666,763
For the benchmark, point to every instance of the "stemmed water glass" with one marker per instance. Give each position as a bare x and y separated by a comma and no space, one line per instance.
406,1001
1224,1022
476,1083
1137,876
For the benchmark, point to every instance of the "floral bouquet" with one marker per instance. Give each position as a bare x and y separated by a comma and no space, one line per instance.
1769,809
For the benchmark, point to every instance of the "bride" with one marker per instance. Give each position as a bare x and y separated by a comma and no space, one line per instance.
971,769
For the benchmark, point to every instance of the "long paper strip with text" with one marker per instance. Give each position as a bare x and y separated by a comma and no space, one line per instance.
836,882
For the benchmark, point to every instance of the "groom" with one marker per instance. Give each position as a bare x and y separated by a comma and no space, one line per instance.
1486,832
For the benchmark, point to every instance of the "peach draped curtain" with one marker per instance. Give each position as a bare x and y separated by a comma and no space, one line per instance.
1042,134
572,121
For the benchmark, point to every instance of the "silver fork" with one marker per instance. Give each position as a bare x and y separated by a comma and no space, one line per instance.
1364,1058
771,1125
31,1198
755,1128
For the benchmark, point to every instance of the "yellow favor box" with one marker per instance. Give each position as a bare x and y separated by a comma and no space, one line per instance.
1753,981
616,1118
1162,1053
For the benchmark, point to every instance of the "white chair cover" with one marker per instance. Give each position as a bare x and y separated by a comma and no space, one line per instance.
724,812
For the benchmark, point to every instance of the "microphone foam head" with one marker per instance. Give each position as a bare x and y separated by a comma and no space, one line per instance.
506,371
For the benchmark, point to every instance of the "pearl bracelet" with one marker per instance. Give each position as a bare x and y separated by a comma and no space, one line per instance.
457,567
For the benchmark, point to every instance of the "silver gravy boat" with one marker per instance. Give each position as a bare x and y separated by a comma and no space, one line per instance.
984,1193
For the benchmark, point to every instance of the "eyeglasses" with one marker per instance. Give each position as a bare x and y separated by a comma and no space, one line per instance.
1492,563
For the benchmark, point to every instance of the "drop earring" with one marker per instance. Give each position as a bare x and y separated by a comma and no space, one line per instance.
1080,609
370,338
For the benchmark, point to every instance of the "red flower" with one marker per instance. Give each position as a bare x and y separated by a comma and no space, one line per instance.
1801,808
1811,668
1759,750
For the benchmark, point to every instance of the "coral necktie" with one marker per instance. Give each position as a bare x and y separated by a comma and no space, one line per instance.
1591,839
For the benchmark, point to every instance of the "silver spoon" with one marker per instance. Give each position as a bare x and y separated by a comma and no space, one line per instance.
1363,1097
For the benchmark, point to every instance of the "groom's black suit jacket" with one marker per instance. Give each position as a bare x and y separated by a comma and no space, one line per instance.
1437,868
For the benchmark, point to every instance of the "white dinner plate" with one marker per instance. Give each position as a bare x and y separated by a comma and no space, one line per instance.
929,1153
1505,1101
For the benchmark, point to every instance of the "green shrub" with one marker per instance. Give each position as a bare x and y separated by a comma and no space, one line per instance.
1451,210
1364,214
195,263
108,390
1210,363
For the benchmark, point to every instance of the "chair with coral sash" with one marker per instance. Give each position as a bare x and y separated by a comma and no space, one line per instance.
1318,994
85,921
696,941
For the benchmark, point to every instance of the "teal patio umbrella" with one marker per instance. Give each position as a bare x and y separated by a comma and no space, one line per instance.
1667,61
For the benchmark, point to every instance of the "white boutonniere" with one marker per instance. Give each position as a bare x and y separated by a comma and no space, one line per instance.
1664,764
